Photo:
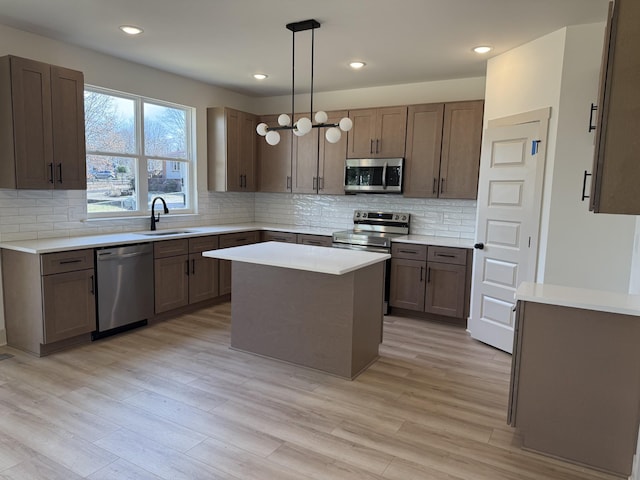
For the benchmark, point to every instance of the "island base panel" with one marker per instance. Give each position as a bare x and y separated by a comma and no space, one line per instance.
327,322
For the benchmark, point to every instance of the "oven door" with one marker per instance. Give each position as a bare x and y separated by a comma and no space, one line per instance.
373,175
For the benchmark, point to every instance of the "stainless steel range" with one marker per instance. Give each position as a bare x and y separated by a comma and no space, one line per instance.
373,231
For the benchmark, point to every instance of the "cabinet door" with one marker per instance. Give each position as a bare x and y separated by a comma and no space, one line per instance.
171,280
247,138
331,159
407,284
203,278
315,240
69,305
361,138
275,160
232,127
616,168
460,159
445,289
285,237
67,109
305,161
424,143
224,266
391,132
32,123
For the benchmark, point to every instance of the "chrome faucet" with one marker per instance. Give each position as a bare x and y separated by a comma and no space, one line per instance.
155,219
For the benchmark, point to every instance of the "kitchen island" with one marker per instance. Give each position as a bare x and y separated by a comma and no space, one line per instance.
316,307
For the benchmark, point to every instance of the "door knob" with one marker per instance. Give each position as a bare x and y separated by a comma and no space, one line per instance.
479,246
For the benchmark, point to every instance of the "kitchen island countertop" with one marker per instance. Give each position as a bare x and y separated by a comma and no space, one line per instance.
335,261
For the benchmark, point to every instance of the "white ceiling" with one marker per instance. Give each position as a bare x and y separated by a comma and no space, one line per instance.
223,42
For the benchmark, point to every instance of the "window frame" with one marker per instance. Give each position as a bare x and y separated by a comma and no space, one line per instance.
141,159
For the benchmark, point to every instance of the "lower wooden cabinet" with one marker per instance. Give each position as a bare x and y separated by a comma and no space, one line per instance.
233,240
182,276
316,240
272,236
49,299
434,280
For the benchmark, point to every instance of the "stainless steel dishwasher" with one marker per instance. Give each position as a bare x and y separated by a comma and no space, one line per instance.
125,288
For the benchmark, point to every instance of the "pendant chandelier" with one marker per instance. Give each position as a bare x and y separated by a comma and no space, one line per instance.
304,125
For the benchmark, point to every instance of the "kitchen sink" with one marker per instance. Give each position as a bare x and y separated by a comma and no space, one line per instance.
160,233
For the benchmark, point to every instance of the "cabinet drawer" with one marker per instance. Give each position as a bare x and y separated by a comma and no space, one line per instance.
62,262
317,240
456,256
202,244
171,248
237,239
409,251
279,237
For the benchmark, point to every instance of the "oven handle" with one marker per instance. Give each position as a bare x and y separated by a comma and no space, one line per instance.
384,176
363,248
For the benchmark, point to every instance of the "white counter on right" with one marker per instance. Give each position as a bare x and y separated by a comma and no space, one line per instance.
597,300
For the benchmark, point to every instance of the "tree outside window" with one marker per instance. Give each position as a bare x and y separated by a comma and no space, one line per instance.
137,149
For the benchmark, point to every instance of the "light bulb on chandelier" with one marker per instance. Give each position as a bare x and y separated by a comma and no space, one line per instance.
304,125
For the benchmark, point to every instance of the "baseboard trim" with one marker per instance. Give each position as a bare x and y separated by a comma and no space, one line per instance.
3,337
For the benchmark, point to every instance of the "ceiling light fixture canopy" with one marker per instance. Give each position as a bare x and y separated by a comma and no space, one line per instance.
482,49
303,125
357,65
131,29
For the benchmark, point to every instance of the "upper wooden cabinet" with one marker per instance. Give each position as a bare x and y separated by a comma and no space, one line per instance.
318,165
616,171
275,160
231,149
443,150
42,143
377,133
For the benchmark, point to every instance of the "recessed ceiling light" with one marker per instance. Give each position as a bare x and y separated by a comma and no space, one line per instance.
131,29
357,65
482,49
260,76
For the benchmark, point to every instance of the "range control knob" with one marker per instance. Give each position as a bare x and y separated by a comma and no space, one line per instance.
404,218
358,214
396,217
364,215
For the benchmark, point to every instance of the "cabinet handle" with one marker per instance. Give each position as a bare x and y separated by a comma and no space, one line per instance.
377,145
592,127
92,288
384,176
51,173
187,267
412,252
59,173
289,182
584,184
428,274
442,185
421,272
446,255
313,242
65,262
315,183
193,266
321,180
435,185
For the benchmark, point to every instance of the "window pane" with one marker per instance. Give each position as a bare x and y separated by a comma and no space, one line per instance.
109,123
111,184
167,179
165,131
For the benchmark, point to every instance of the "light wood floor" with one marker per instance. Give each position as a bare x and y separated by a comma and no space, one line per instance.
172,401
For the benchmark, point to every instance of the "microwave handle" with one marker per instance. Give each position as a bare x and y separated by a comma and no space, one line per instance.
384,176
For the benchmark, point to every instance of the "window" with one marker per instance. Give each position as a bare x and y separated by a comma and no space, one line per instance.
137,149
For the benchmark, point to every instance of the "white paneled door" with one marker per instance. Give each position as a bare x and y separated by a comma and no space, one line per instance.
509,199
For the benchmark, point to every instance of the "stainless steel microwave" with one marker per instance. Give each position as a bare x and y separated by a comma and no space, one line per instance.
373,175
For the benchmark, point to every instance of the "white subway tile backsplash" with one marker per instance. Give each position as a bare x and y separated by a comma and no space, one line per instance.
32,214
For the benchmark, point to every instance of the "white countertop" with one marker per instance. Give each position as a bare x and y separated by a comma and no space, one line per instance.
335,261
50,245
598,300
435,241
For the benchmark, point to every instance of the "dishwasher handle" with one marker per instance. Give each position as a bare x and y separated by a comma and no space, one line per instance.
116,256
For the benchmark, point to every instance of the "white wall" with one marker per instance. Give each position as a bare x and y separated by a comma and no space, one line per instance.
560,70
